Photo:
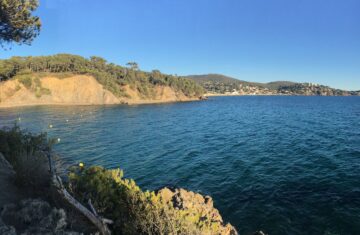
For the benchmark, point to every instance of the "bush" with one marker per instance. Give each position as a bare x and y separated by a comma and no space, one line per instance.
26,80
23,151
143,212
40,91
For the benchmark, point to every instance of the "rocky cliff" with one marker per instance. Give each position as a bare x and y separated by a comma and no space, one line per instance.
196,204
76,90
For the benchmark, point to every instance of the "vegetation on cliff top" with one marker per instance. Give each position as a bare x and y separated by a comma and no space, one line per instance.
112,77
23,151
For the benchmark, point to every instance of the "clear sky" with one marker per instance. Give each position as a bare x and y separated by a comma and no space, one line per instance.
256,40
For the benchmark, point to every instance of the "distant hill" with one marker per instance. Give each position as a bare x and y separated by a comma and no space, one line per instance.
219,78
277,84
213,78
221,84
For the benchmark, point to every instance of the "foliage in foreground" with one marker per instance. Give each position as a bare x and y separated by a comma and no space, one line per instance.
16,22
112,77
24,152
140,212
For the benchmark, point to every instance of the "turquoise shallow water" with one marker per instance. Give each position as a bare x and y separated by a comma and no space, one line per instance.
285,165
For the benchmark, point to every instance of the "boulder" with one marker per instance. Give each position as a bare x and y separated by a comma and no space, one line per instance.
33,216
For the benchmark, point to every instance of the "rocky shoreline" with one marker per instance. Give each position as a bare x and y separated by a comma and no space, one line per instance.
22,213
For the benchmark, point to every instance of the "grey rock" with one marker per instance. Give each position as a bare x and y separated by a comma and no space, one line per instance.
34,216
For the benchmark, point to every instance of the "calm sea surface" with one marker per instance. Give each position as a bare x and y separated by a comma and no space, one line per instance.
285,165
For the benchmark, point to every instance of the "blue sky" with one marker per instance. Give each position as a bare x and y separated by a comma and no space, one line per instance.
256,40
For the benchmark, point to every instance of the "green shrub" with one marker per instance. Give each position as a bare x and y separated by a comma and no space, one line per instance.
133,210
33,83
26,80
23,151
17,88
40,91
45,91
37,81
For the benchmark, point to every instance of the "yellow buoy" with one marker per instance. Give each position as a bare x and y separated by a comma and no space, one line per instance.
50,126
81,165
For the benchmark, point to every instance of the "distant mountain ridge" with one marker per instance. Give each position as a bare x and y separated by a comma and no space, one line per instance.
221,84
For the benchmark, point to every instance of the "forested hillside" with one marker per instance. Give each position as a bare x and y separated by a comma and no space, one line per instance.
112,77
220,84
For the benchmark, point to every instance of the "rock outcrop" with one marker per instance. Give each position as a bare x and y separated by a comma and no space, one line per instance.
33,216
196,204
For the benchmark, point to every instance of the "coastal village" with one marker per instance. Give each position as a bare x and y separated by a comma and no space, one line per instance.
305,89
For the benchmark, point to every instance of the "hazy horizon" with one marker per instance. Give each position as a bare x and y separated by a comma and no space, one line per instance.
257,41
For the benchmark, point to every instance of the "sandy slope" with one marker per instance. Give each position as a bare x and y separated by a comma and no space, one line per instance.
163,94
78,90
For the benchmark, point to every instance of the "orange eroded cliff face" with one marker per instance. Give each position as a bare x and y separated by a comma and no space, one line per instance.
74,90
78,90
161,94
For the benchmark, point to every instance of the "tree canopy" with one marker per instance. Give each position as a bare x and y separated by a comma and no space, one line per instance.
112,77
17,24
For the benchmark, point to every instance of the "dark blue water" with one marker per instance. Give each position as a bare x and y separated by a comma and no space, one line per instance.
285,165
